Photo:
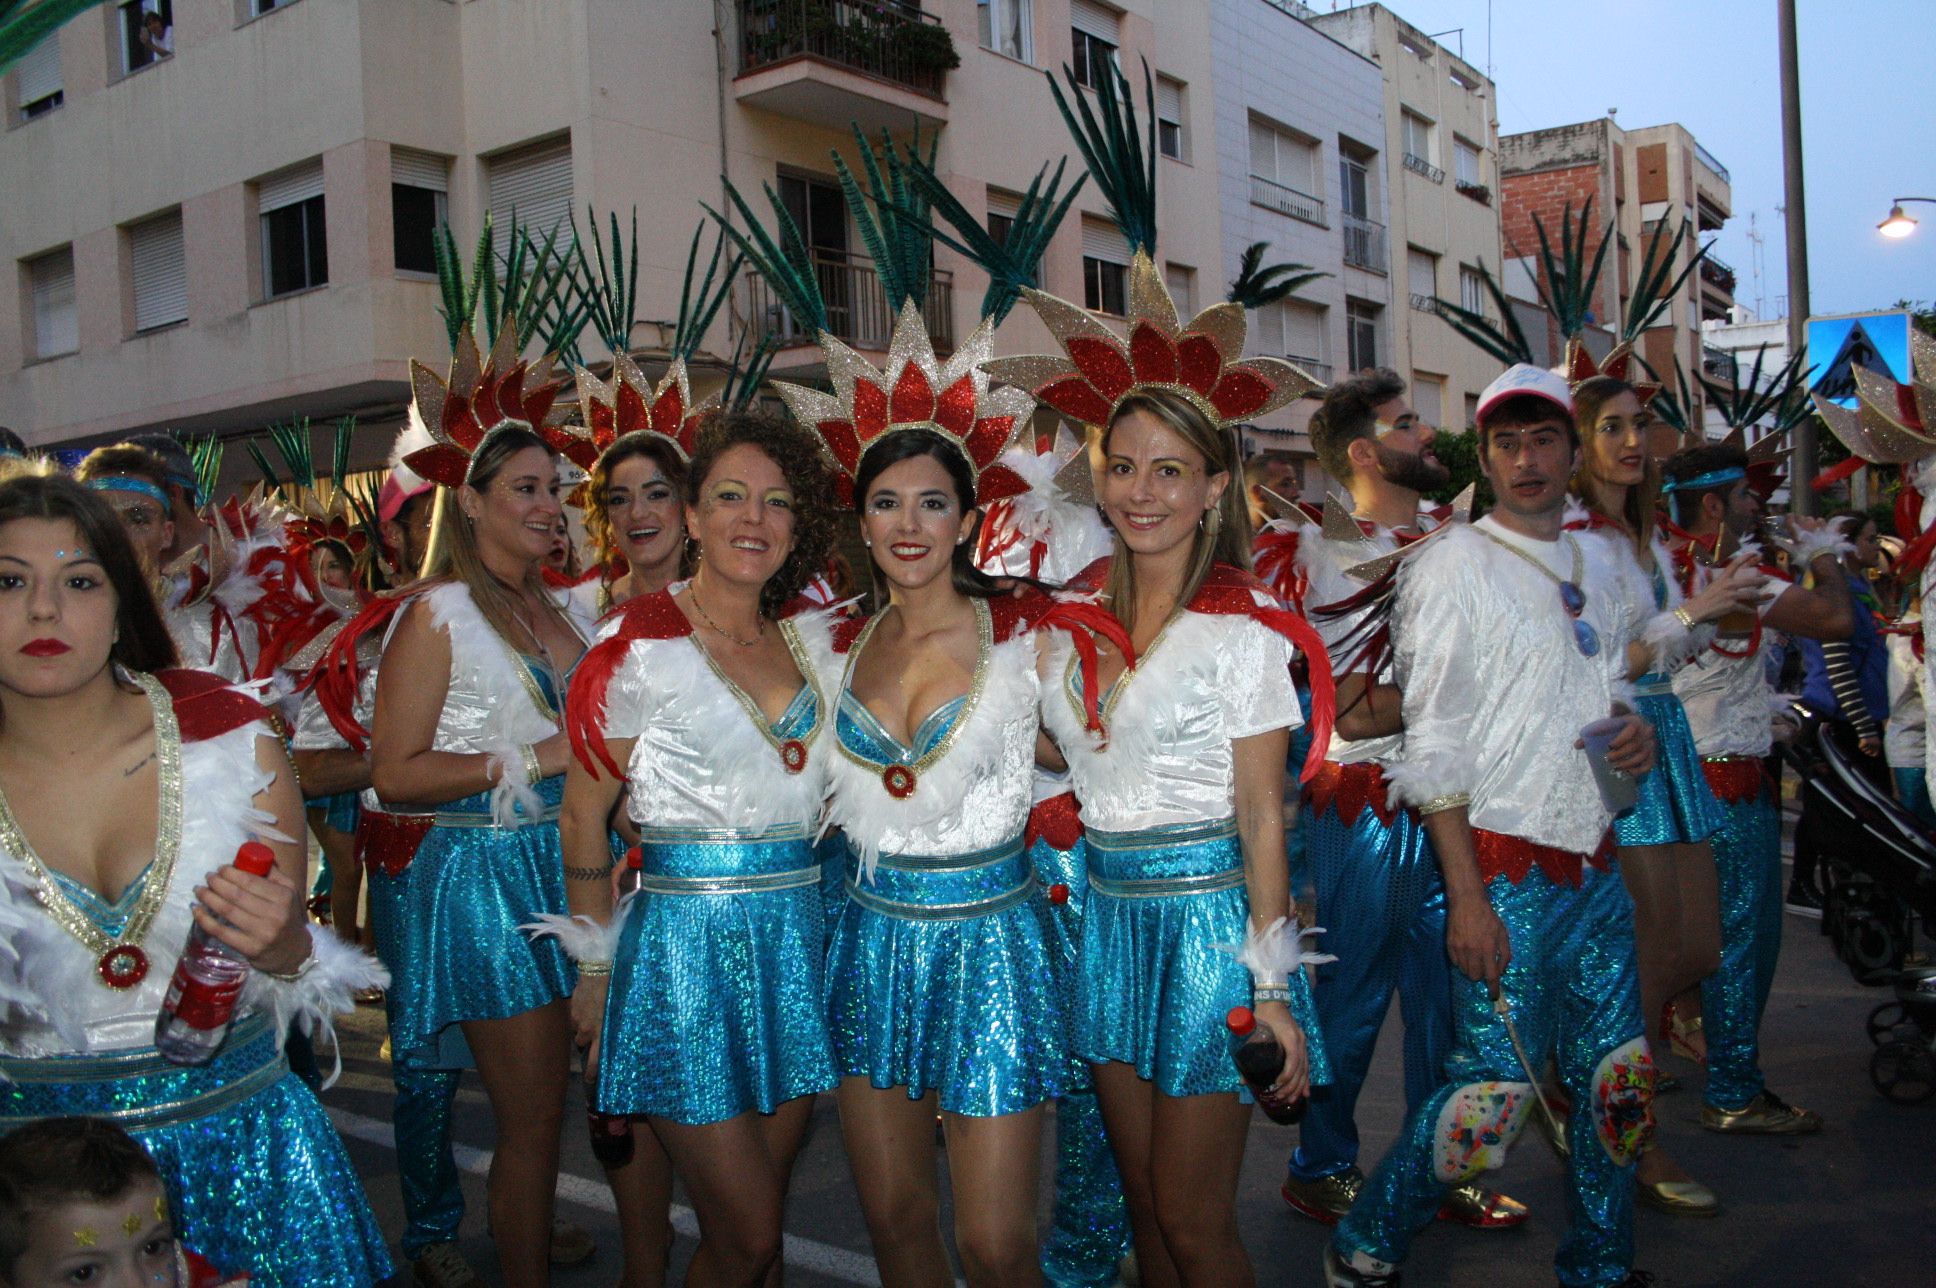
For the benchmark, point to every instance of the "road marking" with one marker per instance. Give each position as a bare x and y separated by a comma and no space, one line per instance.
805,1254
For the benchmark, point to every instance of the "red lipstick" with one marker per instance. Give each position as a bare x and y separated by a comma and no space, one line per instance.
44,648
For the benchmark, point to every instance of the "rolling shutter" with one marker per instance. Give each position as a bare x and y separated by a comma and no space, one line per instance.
40,71
55,328
424,170
289,187
1104,241
160,271
535,183
1099,21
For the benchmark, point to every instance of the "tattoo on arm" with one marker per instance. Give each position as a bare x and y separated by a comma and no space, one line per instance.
136,767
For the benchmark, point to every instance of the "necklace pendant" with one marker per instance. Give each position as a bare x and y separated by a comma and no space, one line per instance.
793,755
1586,638
123,966
900,781
1573,597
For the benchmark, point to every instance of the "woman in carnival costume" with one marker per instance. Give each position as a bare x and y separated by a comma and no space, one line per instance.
701,998
468,745
176,771
1665,858
1183,803
941,988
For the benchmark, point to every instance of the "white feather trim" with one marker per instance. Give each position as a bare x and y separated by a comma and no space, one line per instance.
514,801
325,988
583,939
1272,954
1805,547
1418,780
413,437
993,749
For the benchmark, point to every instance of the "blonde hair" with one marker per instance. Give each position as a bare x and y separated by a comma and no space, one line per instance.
1223,536
453,553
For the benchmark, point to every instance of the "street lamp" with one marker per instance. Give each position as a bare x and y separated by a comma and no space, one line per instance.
1899,224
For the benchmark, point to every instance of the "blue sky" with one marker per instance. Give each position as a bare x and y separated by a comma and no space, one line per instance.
1868,115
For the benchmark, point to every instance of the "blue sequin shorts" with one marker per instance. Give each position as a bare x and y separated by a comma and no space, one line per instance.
717,1000
257,1178
940,979
1153,986
1675,805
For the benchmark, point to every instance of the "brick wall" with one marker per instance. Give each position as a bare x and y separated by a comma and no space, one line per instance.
1549,194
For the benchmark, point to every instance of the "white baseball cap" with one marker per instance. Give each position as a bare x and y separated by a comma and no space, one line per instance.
1524,378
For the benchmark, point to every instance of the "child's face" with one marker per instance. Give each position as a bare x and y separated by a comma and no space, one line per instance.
126,1242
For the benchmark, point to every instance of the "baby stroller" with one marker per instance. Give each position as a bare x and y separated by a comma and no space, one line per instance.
1877,861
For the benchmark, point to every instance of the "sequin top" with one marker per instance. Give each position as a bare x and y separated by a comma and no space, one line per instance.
973,759
1206,680
1495,688
702,755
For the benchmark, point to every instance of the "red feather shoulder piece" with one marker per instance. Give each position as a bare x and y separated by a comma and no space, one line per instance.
648,617
338,677
1273,552
207,706
1082,620
1232,591
847,630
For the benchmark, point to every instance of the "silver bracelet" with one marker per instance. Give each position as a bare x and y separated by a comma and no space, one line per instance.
1270,993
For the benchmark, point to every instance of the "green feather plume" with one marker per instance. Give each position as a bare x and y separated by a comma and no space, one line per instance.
1120,154
782,258
697,310
24,24
1504,339
1255,286
898,230
1016,261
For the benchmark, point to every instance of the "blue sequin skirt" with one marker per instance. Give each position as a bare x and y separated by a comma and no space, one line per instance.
1675,805
717,1000
1153,987
451,937
340,811
257,1178
940,979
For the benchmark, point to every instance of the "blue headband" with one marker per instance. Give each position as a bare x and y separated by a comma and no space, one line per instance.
122,483
187,483
1702,482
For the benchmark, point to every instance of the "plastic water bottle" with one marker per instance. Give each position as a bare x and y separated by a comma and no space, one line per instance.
1258,1058
612,1133
208,980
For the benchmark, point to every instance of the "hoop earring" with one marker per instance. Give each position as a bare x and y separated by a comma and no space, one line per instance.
1214,520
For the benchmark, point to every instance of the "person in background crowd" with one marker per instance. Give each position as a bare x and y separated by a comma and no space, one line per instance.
1903,737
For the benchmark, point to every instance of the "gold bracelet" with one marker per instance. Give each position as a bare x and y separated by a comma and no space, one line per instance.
594,970
1439,804
533,771
1685,618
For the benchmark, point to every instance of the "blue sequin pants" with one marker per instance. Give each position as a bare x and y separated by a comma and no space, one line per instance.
257,1178
433,1197
1747,863
1574,993
1382,906
1089,1233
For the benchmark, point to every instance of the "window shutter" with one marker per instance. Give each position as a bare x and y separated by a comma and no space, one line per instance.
39,70
55,328
424,170
1422,269
160,271
1005,204
1101,22
535,183
1169,100
289,187
1263,151
1304,331
1104,241
1267,330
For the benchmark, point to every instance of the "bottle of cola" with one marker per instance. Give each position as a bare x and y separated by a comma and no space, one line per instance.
612,1133
1258,1058
208,980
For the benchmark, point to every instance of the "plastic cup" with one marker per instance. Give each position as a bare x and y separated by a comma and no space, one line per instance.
1618,790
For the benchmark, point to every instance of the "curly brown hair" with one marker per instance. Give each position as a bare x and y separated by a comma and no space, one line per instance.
797,452
598,522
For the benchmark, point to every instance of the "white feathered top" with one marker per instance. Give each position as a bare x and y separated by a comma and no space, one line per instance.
53,1000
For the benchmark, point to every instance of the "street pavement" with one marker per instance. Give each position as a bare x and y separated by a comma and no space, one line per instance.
1854,1207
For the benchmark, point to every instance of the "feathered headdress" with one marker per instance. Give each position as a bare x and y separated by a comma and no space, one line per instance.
482,395
1894,424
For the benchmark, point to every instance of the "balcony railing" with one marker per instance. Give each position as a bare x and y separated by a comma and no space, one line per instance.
1718,273
1272,195
1718,364
1419,165
1707,159
895,41
1426,303
1312,366
1364,243
857,308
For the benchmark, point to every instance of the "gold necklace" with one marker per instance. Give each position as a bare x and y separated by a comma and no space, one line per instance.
121,962
793,751
692,593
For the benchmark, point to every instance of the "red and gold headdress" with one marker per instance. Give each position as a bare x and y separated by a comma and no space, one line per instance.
483,395
915,390
1201,361
1580,366
630,403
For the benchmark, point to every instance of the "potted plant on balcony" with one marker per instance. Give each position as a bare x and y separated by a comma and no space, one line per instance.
923,47
1477,191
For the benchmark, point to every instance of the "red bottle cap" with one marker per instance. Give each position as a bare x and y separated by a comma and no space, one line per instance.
635,857
1240,1021
1058,894
255,858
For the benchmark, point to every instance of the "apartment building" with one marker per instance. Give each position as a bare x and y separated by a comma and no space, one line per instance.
1442,144
1641,180
1300,151
237,228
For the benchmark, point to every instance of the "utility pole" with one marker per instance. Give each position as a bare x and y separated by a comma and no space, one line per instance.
1802,474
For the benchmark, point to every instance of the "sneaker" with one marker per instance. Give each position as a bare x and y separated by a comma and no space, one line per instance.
441,1265
1766,1115
1802,903
1325,1199
571,1245
1478,1208
1339,1273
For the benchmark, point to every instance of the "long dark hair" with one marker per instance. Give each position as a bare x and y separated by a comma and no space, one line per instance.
905,445
142,642
797,452
1643,498
639,444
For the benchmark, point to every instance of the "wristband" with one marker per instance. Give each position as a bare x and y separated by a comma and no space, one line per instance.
1684,617
1270,993
292,976
594,970
533,772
